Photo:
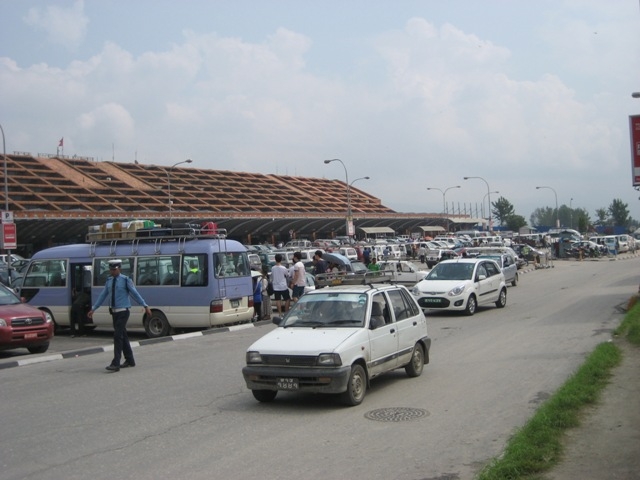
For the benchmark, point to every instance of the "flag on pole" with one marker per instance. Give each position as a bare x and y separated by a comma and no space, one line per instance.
61,142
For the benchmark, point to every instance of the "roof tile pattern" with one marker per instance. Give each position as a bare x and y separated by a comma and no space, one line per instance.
64,184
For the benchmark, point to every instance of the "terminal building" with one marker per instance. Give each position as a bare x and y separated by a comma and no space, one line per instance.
55,199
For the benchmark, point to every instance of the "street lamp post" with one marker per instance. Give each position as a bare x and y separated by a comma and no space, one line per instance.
556,195
571,213
168,172
488,194
6,199
444,202
349,224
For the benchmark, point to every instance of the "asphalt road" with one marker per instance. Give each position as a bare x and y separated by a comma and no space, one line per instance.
184,411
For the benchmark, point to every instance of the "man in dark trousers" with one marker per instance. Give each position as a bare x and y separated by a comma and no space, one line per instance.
118,289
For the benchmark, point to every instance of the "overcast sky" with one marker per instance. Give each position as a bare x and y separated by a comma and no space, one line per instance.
413,94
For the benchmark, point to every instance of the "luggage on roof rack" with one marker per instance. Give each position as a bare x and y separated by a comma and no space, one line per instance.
147,229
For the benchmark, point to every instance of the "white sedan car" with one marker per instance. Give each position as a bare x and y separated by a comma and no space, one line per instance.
462,284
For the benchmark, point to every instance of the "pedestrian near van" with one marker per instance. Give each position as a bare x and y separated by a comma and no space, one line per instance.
280,281
81,302
267,309
257,298
119,288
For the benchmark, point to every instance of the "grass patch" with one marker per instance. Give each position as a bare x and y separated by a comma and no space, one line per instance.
630,326
537,446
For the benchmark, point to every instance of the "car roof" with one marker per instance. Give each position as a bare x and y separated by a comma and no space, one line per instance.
466,260
358,288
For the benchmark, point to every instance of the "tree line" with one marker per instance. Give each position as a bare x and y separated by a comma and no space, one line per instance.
616,214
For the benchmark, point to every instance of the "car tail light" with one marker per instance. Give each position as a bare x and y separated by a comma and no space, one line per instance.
216,306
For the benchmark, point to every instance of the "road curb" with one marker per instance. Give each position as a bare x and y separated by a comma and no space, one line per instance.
138,343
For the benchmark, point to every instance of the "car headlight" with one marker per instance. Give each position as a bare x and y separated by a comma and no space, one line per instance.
416,291
254,357
455,291
3,323
329,360
48,318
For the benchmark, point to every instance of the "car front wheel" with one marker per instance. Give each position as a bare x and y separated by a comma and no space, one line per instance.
264,396
416,365
502,299
39,349
356,387
472,304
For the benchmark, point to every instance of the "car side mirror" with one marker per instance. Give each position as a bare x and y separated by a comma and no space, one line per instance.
482,277
277,321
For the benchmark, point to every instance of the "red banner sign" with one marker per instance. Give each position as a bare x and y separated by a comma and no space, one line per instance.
634,127
9,236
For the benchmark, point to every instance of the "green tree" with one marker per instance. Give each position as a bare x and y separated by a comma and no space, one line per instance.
601,215
619,213
543,217
502,210
583,223
515,222
580,220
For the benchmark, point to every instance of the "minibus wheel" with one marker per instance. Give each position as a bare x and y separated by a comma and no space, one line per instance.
156,325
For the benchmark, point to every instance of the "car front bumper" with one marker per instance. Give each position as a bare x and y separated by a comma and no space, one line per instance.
314,380
442,302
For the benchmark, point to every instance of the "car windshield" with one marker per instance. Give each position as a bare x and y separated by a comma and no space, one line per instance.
451,271
7,297
330,309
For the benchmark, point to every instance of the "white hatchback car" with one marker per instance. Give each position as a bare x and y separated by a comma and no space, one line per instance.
507,264
462,284
336,339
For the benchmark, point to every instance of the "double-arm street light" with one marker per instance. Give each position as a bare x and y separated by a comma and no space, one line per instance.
168,172
556,195
361,178
488,194
444,201
349,224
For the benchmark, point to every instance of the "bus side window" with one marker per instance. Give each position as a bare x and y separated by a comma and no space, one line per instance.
194,272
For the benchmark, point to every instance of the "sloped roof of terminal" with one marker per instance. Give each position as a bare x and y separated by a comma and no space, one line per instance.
55,199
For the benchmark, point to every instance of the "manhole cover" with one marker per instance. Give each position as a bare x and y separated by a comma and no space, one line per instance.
396,414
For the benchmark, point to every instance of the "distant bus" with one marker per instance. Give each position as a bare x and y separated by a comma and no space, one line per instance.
189,281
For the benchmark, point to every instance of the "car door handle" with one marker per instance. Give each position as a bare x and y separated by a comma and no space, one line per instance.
415,323
393,330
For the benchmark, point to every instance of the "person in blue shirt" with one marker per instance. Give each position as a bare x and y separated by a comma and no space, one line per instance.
118,289
257,298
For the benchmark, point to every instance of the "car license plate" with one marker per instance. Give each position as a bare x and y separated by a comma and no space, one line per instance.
29,336
287,384
235,303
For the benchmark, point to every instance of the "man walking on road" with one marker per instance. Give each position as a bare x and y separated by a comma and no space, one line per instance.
119,289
